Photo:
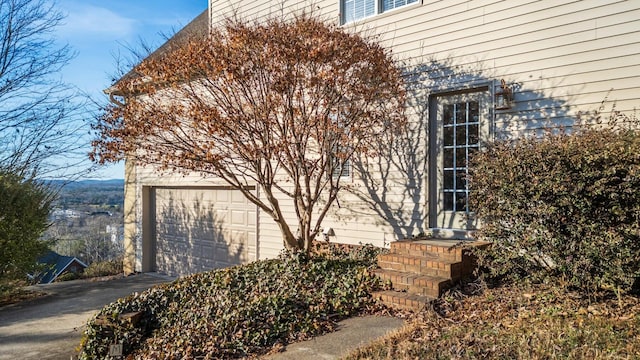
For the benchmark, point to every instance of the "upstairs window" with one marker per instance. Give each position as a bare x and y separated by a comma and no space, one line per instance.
341,168
358,9
340,165
392,4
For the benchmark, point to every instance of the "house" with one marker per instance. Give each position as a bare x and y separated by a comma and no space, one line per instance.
476,70
56,265
60,214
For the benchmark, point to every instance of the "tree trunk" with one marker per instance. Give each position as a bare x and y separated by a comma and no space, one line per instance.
289,239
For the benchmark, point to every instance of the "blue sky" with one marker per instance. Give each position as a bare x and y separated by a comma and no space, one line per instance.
97,30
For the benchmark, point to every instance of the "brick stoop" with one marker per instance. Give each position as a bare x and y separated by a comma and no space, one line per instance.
420,271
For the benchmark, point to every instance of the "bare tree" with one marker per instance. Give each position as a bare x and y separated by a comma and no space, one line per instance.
281,104
40,116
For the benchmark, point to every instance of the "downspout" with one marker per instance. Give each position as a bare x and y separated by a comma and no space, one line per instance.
114,100
129,263
113,93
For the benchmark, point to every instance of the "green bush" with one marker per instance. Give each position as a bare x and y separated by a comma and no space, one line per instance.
103,268
68,276
24,211
565,206
237,311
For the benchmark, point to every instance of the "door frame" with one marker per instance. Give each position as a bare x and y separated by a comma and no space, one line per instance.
148,246
433,148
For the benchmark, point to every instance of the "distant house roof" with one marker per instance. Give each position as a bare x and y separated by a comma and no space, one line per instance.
198,27
56,265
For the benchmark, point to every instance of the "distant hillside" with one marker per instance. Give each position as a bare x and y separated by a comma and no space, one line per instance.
88,183
100,193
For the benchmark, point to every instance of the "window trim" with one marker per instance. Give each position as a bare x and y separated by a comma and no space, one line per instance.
378,11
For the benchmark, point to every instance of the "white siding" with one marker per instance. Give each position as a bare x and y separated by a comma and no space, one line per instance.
566,54
562,59
353,220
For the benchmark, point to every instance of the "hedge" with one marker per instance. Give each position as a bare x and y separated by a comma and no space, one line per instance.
564,206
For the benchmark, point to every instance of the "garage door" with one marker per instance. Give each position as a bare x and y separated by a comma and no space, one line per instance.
199,229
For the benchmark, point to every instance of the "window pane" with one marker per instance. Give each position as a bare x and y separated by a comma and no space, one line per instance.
461,113
448,179
448,135
461,181
392,4
369,8
473,134
461,157
461,201
358,9
461,135
474,111
448,158
448,201
347,7
447,114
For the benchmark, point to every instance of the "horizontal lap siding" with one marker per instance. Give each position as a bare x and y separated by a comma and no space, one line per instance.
355,223
563,58
532,43
251,10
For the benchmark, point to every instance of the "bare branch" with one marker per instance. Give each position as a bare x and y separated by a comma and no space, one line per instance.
40,117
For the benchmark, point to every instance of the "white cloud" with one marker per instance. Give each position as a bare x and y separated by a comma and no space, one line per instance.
84,20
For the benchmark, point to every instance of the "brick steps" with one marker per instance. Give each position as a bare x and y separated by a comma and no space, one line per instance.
436,250
421,265
420,271
414,283
402,300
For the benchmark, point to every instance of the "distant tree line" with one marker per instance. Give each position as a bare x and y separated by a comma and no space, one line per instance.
100,194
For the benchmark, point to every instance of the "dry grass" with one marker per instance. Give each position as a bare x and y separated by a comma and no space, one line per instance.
532,322
14,292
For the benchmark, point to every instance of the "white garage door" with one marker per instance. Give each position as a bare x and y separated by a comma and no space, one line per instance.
199,229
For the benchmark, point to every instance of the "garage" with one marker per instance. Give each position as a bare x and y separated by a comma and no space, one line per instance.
194,229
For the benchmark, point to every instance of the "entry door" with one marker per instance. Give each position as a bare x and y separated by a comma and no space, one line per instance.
462,124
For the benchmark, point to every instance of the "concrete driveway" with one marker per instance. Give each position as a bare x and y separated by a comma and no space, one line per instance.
50,327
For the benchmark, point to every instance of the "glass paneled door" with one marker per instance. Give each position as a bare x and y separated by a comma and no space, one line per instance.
460,128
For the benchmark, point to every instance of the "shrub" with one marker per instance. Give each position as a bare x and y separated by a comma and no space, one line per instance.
565,206
68,276
24,209
103,268
236,311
